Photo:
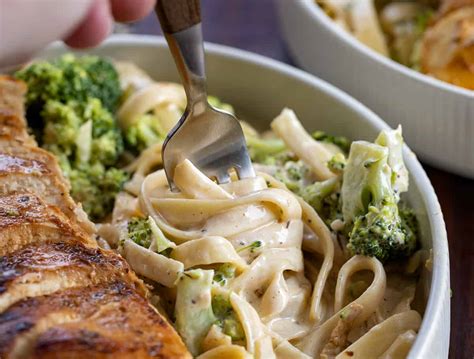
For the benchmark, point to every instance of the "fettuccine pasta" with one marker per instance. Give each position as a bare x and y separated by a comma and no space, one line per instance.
253,268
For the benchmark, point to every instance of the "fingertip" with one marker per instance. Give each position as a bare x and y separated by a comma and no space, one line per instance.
94,29
131,10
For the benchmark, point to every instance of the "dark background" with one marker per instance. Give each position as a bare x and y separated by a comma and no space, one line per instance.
253,25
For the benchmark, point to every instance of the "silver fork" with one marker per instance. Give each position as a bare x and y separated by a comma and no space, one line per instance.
211,139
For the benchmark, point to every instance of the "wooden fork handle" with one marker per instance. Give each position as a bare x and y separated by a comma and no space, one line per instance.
178,15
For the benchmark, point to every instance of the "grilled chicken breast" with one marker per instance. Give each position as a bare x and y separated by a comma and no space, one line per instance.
32,168
26,220
61,296
98,313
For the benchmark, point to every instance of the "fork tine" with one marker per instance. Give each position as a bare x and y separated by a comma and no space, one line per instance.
223,177
245,168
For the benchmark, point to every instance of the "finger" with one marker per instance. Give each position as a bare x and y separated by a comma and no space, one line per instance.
27,26
131,10
95,27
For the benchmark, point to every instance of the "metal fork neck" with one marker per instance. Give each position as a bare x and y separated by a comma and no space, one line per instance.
188,52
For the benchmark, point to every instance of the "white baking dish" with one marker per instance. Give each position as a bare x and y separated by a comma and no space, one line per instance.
437,118
259,88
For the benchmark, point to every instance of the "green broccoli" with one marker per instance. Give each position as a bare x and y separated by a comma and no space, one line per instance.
224,273
324,197
143,231
103,79
95,187
86,140
294,174
197,309
145,132
71,78
382,234
337,163
193,309
409,220
70,105
139,231
342,142
227,318
369,205
65,132
265,151
61,127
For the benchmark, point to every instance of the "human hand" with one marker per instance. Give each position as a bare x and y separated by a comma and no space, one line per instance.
27,26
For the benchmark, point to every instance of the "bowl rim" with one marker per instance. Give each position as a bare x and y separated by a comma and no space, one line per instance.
433,314
348,39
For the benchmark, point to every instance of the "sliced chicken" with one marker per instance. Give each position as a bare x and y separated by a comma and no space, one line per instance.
40,156
48,267
26,220
10,126
88,323
35,170
12,120
12,94
12,136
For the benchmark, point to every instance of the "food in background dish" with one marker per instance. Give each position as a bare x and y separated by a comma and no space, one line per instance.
318,256
434,37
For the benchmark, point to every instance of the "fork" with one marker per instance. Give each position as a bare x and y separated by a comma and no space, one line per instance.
211,139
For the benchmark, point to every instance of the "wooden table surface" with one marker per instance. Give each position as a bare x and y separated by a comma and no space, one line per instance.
252,25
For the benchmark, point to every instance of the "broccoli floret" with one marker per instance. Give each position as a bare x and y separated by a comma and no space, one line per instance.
370,205
409,219
144,231
342,142
104,80
62,124
381,233
139,231
324,197
95,187
337,163
70,104
193,309
62,132
86,141
224,273
107,148
294,174
71,78
315,193
226,317
265,151
145,132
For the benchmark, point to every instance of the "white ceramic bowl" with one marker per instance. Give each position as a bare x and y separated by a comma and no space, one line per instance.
259,88
437,118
